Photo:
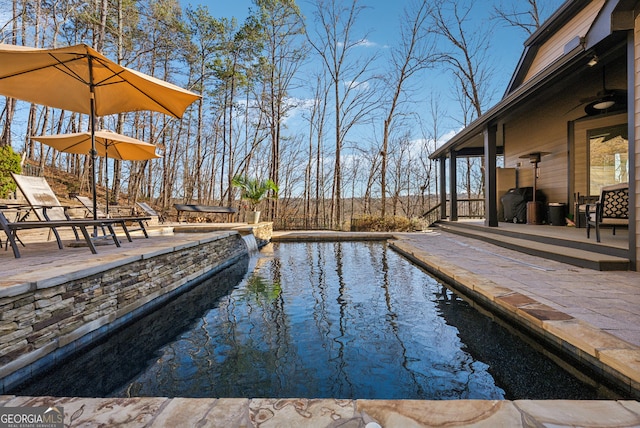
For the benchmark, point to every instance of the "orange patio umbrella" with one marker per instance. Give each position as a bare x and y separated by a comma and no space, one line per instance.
80,79
108,144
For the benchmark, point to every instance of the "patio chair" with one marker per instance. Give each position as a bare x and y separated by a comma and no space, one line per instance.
611,210
44,204
87,203
146,208
580,208
11,228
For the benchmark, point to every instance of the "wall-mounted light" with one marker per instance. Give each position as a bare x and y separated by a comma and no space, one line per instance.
593,61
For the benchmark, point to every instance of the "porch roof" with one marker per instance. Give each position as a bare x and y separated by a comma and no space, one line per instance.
602,40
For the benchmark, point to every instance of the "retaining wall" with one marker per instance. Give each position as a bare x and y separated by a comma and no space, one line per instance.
43,322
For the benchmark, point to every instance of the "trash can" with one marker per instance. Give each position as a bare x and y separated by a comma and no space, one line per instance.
557,214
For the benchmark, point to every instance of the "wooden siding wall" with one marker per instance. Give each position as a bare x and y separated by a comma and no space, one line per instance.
526,135
553,48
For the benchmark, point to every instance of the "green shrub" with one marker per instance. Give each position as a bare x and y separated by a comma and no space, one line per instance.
369,223
9,162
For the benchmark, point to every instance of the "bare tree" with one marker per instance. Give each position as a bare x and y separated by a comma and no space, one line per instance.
415,53
353,92
313,189
238,56
204,31
467,58
281,24
527,15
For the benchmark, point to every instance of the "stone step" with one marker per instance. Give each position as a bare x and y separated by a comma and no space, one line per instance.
559,250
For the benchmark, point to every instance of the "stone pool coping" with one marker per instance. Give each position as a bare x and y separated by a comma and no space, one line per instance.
310,413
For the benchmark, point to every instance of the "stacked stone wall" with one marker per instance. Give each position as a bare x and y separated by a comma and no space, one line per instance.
40,326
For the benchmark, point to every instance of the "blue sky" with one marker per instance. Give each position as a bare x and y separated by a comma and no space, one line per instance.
380,21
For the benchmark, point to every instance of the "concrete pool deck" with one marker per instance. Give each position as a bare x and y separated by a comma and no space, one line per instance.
594,314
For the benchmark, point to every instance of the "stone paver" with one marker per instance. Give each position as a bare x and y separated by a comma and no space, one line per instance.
332,413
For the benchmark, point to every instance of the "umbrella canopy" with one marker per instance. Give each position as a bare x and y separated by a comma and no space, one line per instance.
107,143
80,79
65,78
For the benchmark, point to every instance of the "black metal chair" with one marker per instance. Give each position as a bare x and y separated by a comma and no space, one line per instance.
611,210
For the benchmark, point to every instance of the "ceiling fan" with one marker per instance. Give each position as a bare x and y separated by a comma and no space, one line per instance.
606,100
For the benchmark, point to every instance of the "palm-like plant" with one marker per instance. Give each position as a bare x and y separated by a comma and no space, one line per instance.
254,190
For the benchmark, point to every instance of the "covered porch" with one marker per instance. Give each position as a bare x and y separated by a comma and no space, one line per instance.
570,104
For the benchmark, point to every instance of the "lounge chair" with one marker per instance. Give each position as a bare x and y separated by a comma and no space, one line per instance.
180,208
44,204
611,210
146,208
87,203
11,228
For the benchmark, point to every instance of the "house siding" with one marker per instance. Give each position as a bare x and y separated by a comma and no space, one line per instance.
543,129
526,135
553,48
546,126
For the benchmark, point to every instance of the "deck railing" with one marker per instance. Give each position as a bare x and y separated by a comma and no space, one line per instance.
32,170
469,208
432,215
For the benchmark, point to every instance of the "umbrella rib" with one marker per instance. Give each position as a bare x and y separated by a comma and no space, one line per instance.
60,62
153,99
93,58
66,70
124,79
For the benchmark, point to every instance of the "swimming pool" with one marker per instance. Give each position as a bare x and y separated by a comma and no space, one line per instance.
316,320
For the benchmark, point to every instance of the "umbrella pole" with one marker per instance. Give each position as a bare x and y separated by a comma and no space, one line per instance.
106,172
92,120
93,163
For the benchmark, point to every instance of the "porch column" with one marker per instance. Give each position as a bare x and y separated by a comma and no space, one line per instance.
633,126
453,186
443,187
490,193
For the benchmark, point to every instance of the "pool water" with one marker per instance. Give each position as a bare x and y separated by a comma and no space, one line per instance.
316,320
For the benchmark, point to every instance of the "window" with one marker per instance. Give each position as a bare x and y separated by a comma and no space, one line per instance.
608,157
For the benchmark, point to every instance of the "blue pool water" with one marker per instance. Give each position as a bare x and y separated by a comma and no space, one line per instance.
316,320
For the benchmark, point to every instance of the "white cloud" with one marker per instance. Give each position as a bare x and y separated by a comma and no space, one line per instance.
446,137
354,84
366,43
